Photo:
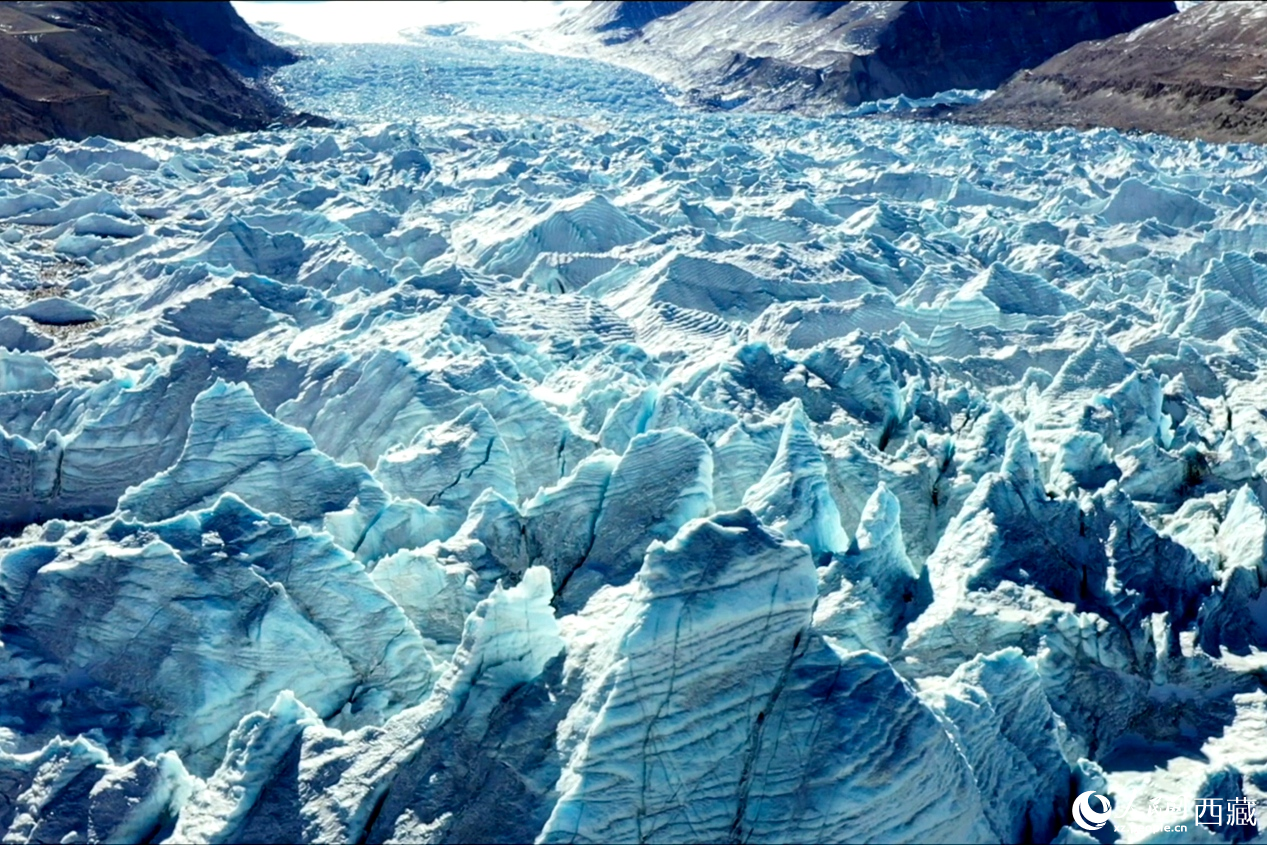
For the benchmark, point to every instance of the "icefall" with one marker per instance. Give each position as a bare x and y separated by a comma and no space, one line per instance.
644,476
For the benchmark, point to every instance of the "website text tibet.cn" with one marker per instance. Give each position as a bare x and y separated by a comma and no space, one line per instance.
1165,815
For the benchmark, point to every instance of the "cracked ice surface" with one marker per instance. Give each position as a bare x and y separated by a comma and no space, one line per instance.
640,476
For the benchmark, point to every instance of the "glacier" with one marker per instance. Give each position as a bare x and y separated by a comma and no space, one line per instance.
529,458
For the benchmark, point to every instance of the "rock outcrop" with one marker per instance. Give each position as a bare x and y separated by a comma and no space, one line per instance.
774,56
127,71
217,28
1199,74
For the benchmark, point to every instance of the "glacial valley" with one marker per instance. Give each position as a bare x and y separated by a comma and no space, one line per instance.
530,459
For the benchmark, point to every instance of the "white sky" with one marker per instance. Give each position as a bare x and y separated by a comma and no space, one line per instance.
381,22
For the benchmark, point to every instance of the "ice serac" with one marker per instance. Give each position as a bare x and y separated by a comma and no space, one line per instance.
510,639
17,336
1017,293
405,775
725,593
664,480
1103,397
998,715
121,645
251,249
580,224
741,456
35,778
559,522
872,591
825,55
1235,617
794,496
73,791
1134,201
113,438
20,373
1098,555
366,405
233,446
240,308
217,808
384,398
256,606
448,466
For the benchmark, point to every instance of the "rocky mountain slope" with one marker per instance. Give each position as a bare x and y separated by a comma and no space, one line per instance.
126,71
1200,74
217,28
777,55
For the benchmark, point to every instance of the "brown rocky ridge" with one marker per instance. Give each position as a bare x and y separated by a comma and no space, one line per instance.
1200,74
128,71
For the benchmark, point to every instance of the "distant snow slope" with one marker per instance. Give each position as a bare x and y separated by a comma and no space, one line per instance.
550,464
386,21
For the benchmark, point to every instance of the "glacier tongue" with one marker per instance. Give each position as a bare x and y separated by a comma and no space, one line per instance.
547,463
